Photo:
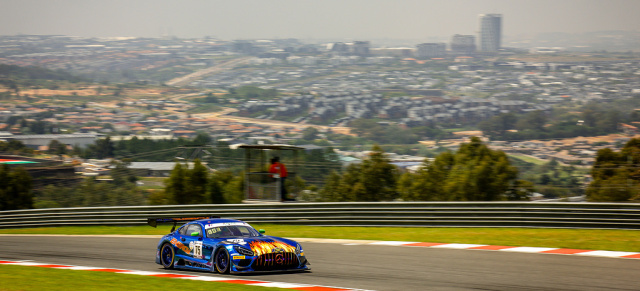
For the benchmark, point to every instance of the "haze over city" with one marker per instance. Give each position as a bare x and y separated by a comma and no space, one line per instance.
330,19
408,144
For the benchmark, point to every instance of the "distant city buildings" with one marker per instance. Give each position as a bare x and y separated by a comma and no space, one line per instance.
340,48
361,48
357,48
431,50
244,47
490,32
463,45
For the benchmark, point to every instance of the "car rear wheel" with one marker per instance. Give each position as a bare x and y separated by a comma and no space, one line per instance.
167,256
222,261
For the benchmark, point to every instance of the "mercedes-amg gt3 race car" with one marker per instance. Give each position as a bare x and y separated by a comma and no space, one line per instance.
225,246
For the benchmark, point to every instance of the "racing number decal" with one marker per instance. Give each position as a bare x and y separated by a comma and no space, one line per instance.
196,248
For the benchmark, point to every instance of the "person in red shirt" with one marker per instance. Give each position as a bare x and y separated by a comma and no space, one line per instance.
279,171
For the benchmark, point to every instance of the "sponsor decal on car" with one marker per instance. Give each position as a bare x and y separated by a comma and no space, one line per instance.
180,245
239,257
237,241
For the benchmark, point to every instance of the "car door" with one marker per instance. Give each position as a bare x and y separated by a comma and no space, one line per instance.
192,239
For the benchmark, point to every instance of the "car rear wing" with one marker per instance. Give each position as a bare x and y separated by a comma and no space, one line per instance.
154,221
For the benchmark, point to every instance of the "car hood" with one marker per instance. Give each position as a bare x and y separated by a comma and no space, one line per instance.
265,244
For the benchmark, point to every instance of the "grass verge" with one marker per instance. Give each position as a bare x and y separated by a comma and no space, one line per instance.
588,239
528,159
34,278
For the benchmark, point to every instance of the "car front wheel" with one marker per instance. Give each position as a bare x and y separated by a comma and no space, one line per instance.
167,256
222,262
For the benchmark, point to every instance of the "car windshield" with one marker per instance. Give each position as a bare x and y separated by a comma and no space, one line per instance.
231,231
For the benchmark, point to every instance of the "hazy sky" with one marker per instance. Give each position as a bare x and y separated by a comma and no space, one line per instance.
318,19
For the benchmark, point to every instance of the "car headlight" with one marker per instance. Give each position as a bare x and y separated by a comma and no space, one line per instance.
243,251
298,249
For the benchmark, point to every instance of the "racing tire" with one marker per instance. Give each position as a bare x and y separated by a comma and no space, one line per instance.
221,261
167,256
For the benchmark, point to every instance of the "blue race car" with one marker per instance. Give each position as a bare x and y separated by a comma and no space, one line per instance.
225,246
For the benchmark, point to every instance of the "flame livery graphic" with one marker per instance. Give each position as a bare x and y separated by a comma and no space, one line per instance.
264,247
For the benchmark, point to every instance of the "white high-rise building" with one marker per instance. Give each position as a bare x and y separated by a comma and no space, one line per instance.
490,32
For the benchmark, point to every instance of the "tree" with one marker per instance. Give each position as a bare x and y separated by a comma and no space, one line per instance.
234,190
521,190
378,177
217,185
57,148
615,188
15,147
159,198
202,139
332,189
497,125
90,193
5,181
615,174
104,148
216,196
310,133
38,127
15,188
533,121
20,192
175,185
473,173
373,180
197,180
211,98
121,173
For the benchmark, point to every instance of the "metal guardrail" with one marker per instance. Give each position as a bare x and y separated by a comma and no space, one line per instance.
405,214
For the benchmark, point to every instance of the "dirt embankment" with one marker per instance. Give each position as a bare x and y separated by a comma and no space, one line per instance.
222,115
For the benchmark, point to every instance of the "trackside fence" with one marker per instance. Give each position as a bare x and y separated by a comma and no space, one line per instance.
404,214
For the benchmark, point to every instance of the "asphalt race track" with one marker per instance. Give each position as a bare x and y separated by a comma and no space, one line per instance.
362,266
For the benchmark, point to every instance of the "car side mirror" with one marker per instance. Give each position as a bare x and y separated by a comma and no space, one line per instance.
262,231
195,233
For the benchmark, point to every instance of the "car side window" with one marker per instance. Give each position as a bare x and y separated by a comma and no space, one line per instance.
183,230
244,231
191,228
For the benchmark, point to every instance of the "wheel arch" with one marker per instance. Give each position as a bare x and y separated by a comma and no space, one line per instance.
162,255
214,256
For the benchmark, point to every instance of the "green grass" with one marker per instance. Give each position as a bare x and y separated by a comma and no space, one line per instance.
34,278
154,183
528,159
588,239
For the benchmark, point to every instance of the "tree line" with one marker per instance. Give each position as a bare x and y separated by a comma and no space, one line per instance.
90,193
473,173
616,175
383,133
199,186
593,120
